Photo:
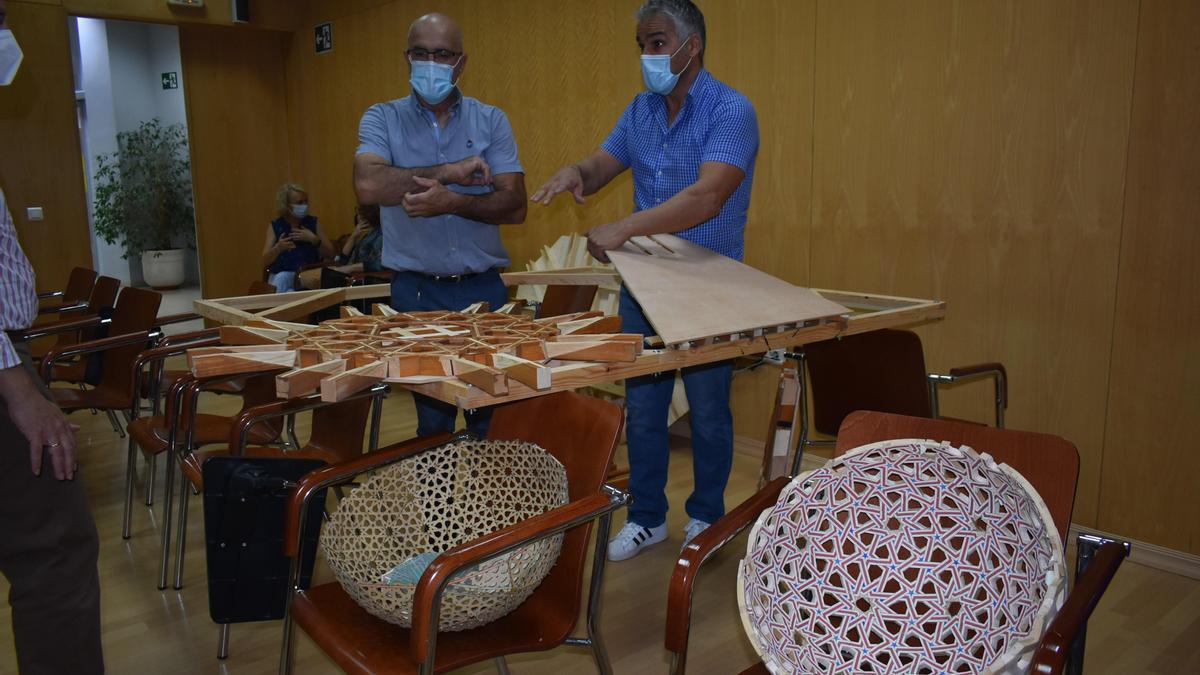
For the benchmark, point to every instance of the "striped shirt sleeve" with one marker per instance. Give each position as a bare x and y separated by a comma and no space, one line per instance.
18,299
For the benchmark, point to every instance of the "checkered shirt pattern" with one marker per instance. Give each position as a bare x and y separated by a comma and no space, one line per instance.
716,124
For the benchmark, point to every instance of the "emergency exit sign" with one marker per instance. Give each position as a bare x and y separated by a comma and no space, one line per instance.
324,37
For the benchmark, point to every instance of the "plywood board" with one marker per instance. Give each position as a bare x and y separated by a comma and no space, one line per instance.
691,294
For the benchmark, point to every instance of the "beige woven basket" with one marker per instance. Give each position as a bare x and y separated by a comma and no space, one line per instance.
434,501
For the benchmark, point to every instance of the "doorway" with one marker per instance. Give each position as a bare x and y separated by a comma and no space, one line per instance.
126,73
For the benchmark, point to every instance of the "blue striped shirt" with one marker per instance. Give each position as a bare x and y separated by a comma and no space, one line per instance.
715,124
406,134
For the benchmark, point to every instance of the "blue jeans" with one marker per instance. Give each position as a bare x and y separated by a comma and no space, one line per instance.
648,399
284,281
412,292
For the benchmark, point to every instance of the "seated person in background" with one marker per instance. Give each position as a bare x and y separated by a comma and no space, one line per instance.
293,239
363,251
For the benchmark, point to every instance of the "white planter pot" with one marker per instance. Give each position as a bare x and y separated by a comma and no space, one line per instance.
163,269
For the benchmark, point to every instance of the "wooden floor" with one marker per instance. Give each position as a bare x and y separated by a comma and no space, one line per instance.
1149,622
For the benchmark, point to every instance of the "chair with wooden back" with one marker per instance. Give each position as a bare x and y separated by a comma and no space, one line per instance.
260,287
79,286
582,433
881,370
76,323
562,299
129,332
1049,463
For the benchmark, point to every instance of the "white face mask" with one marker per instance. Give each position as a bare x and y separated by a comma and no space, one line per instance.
10,57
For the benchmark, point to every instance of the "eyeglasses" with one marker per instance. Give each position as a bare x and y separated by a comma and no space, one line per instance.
422,54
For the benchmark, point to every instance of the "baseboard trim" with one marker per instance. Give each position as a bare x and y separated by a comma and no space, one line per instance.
1150,555
1142,553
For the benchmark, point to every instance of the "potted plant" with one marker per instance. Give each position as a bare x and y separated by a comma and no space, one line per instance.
144,199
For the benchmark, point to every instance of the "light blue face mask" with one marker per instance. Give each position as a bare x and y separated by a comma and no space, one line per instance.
299,210
432,80
656,71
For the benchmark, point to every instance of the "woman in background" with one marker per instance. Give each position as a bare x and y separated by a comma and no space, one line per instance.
293,239
363,251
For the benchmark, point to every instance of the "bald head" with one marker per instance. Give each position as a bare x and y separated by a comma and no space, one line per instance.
435,31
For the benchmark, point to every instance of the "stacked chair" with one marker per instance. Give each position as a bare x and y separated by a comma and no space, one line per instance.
72,297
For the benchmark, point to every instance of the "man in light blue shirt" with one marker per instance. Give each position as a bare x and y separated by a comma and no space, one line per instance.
443,167
691,142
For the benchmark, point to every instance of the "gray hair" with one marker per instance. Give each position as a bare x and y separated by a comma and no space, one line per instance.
688,18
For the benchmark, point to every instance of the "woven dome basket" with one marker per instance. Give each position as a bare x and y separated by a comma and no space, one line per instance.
905,556
433,501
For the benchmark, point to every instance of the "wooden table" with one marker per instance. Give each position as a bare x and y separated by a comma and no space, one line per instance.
869,312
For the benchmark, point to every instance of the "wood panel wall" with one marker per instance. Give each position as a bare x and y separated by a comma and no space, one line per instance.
40,156
562,97
1151,459
237,123
974,152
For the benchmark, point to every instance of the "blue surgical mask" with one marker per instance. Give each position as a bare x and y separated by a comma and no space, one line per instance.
432,81
299,210
656,71
10,57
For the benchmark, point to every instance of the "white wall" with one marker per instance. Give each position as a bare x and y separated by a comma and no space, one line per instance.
122,64
100,130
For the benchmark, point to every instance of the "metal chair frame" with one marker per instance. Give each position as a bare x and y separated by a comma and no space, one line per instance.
935,380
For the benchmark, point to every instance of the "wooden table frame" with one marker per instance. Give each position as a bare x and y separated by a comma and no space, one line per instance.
869,312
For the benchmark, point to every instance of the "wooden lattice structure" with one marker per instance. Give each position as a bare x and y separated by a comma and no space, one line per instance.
484,349
262,314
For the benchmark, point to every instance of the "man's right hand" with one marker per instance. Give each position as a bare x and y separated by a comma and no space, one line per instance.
568,179
469,171
41,422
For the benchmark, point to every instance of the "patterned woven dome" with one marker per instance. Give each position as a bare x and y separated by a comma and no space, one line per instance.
906,556
396,522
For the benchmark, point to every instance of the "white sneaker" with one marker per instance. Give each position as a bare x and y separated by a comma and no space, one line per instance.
693,528
632,539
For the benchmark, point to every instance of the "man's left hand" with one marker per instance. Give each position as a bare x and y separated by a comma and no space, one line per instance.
606,237
434,201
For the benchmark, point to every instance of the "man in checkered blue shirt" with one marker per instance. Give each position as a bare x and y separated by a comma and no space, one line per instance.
691,142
